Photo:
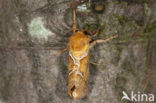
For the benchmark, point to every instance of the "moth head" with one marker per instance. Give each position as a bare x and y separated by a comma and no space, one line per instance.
87,33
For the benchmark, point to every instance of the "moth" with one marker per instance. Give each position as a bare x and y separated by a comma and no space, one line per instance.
79,46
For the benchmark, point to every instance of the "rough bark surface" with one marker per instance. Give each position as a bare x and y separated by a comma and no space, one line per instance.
31,73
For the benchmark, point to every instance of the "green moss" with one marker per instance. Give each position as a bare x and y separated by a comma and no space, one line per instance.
150,29
121,19
90,27
102,32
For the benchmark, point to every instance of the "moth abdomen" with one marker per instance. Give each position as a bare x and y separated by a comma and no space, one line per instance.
77,87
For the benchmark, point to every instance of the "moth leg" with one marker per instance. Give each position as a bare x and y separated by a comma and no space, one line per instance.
61,51
70,30
96,33
102,41
74,20
95,63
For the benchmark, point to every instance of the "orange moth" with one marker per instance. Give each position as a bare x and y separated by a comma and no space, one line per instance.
79,45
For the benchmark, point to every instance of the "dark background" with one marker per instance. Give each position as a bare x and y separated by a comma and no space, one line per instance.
31,73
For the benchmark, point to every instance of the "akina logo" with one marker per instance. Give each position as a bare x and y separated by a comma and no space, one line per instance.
138,97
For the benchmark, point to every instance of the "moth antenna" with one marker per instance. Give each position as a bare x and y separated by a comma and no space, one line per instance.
74,19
